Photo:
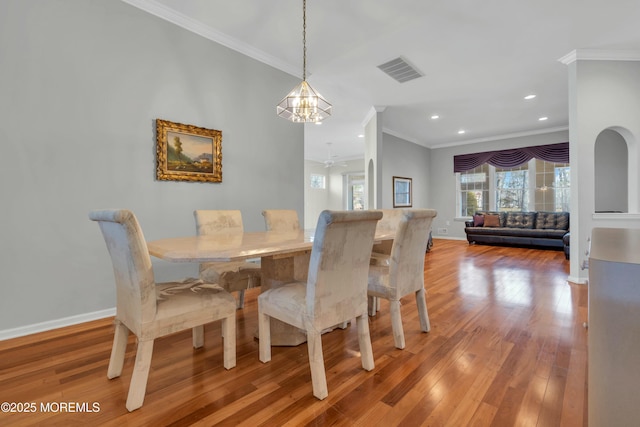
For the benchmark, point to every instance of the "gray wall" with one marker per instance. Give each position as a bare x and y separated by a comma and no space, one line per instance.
81,83
408,160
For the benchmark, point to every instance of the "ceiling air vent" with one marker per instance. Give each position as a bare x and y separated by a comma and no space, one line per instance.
400,70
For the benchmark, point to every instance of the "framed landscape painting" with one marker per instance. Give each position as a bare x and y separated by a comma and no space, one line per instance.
402,192
187,153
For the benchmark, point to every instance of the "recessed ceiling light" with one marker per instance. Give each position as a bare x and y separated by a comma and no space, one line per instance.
528,97
542,119
461,131
435,116
361,136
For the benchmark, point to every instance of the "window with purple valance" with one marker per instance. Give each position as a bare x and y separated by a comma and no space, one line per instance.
557,153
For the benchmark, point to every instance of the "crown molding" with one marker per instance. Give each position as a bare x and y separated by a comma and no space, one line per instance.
399,135
600,55
504,136
197,27
372,112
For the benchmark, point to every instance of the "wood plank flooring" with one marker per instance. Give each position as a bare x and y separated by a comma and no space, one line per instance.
507,348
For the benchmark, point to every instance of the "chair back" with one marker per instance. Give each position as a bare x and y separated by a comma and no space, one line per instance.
218,221
212,222
132,268
281,219
339,266
406,264
389,224
390,219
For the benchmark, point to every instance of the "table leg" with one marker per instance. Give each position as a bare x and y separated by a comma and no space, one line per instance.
277,270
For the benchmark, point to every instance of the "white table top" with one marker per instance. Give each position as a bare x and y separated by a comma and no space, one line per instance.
236,246
231,247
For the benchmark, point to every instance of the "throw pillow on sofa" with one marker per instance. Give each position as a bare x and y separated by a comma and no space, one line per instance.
478,220
491,220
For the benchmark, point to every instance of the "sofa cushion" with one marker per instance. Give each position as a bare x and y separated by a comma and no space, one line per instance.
562,220
478,220
546,220
521,219
491,220
516,232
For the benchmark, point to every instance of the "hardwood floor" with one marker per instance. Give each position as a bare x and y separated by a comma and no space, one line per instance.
507,348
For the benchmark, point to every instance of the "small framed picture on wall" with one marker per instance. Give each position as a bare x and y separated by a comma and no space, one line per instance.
402,197
187,153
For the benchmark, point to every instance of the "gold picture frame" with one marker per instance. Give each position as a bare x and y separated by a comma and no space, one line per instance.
187,153
402,192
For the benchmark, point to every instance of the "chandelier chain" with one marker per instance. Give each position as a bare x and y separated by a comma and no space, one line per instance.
304,39
303,103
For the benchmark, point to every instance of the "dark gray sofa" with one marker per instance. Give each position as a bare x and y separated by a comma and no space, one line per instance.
531,229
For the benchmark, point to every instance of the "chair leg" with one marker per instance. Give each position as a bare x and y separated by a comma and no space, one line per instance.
116,361
198,336
364,341
138,385
240,303
229,341
264,336
316,363
396,323
371,305
421,301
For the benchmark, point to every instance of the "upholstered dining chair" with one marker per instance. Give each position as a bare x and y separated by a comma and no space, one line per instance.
281,219
151,310
404,275
382,251
335,290
233,276
389,223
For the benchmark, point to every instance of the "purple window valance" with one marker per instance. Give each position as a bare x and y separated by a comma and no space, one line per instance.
557,153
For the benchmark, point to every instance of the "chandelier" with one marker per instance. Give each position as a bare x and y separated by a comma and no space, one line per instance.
303,103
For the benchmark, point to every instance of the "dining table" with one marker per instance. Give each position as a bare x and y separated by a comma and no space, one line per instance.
284,257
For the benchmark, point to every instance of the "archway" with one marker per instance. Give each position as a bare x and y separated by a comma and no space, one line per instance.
611,172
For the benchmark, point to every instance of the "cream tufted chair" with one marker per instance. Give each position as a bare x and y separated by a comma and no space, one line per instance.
233,276
151,310
335,290
281,220
404,274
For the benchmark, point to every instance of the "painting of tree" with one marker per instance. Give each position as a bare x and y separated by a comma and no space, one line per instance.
188,153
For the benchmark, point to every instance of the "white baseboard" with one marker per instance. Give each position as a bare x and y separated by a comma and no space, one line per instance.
445,237
55,324
577,280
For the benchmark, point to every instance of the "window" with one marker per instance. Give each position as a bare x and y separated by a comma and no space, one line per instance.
511,189
318,181
357,197
552,186
354,183
562,188
474,190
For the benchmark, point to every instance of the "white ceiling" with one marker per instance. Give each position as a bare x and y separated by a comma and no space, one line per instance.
479,59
